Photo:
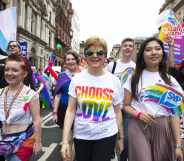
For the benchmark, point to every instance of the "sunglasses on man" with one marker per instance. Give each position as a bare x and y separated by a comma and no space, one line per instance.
12,46
88,52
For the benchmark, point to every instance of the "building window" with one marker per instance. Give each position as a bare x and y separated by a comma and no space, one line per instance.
33,23
19,8
26,16
50,38
2,5
42,29
50,17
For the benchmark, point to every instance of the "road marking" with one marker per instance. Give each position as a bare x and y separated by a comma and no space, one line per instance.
47,152
48,126
47,116
47,119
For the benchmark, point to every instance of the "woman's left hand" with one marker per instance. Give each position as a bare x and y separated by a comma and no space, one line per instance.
179,154
120,146
37,147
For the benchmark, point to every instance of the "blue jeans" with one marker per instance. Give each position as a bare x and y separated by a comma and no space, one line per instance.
124,154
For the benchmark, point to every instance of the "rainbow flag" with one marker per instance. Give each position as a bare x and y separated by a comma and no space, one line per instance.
166,97
44,94
167,16
45,98
8,26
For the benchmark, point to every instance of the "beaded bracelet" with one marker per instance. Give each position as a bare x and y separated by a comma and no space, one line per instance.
138,115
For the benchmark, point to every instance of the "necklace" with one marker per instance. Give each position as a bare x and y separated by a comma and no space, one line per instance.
6,108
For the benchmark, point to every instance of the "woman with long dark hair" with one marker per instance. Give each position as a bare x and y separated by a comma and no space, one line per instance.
152,98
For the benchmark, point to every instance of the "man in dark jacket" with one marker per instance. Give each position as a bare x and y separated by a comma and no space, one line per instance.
14,48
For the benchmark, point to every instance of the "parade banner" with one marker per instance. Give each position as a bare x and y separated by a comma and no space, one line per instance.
8,26
178,49
52,58
23,46
167,16
171,28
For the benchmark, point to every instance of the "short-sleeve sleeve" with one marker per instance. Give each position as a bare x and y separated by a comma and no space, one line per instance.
118,93
72,91
177,85
127,84
109,67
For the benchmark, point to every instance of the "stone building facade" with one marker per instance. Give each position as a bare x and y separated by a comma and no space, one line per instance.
36,26
75,43
64,33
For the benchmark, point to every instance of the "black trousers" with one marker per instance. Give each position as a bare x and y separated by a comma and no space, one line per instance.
95,150
2,158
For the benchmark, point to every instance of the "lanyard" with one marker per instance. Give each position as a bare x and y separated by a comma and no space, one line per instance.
6,109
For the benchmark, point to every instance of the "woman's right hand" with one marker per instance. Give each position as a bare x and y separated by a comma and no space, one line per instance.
66,152
179,154
147,118
37,147
54,117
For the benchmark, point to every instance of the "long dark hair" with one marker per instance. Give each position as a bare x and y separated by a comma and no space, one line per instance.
140,66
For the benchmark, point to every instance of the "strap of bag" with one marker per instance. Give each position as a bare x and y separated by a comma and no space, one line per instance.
2,91
114,67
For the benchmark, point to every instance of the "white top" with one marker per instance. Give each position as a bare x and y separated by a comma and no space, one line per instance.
17,114
155,99
95,117
122,70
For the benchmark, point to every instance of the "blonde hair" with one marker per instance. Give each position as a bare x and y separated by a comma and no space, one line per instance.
95,40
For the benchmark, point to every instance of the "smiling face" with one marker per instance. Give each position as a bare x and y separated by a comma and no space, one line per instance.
13,48
14,72
127,49
70,62
96,58
153,55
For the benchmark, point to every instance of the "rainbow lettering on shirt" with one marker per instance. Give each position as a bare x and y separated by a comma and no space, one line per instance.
94,102
165,96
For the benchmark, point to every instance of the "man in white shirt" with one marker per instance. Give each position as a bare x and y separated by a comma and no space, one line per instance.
123,68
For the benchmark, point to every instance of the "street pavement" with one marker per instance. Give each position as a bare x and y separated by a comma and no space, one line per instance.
51,137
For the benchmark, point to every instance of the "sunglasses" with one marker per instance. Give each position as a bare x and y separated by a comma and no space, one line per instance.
12,46
98,53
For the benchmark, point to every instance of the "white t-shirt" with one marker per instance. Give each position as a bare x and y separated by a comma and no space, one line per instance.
95,117
155,97
122,70
17,114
